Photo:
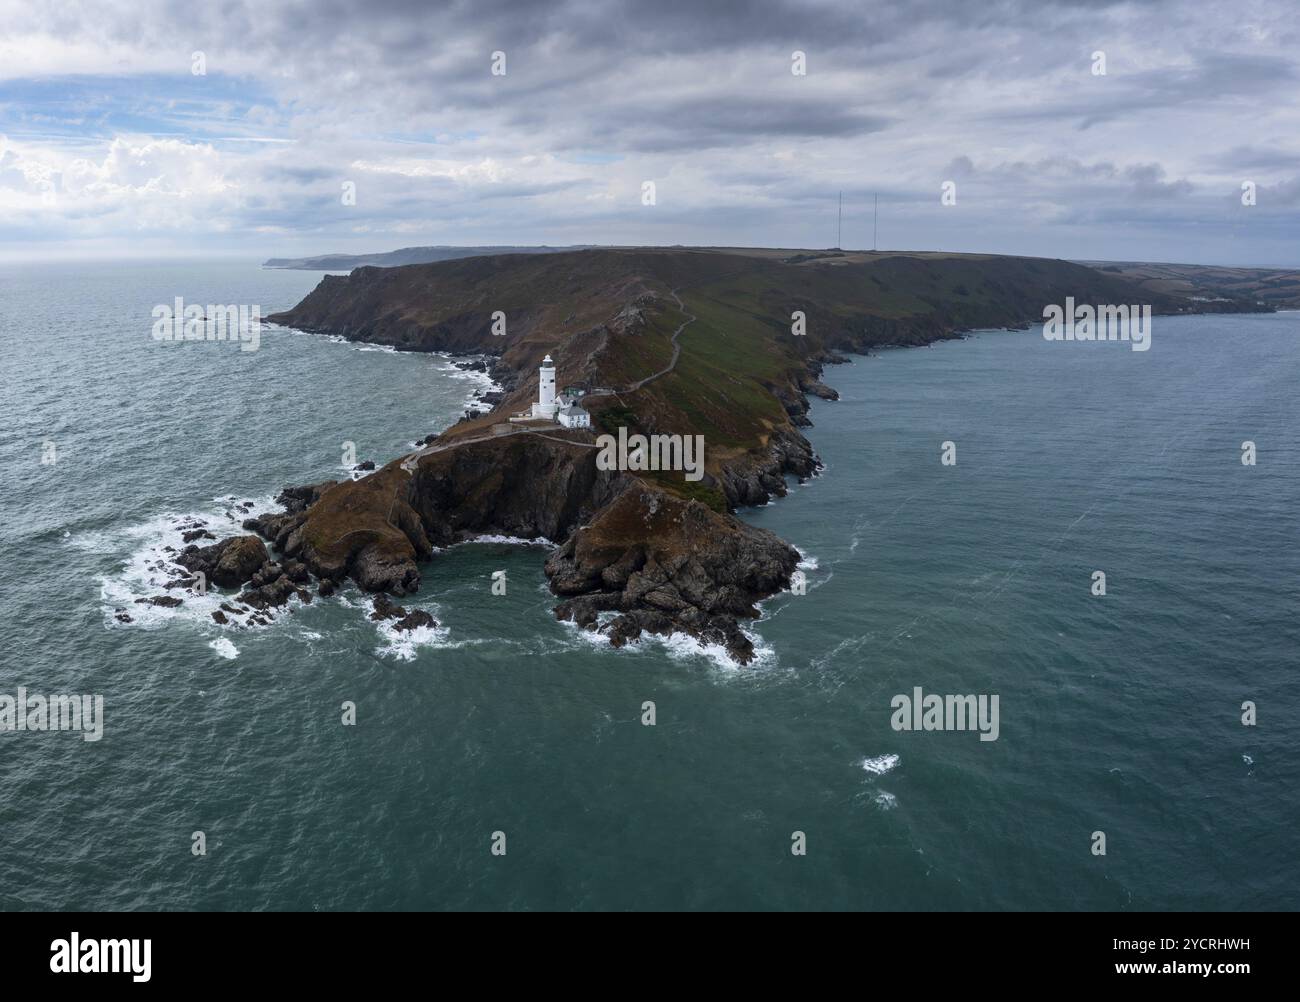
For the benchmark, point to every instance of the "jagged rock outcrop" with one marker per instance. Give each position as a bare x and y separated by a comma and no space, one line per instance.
165,601
403,619
227,564
756,478
363,529
274,584
664,564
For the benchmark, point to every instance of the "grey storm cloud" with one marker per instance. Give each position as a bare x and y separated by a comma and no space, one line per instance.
1279,157
700,124
591,71
414,57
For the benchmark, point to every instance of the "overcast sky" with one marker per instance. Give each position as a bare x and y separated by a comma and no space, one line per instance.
112,144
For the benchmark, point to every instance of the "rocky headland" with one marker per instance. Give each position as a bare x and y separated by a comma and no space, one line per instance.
665,341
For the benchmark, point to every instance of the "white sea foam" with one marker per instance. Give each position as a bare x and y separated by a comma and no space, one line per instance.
683,647
592,638
885,801
148,566
509,540
482,381
807,562
881,764
770,606
225,648
405,644
680,646
468,375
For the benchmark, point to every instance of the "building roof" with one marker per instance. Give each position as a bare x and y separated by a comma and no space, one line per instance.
573,410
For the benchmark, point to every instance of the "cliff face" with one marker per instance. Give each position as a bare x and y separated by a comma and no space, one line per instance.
362,529
377,530
362,307
659,563
451,305
674,342
522,485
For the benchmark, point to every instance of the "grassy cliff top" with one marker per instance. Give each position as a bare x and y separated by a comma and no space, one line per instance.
711,325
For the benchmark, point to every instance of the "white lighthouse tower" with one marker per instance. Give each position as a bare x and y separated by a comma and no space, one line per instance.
545,406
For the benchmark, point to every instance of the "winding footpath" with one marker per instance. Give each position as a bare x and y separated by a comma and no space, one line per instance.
677,350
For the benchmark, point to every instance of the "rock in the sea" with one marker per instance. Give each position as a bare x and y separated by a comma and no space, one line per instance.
376,568
414,619
239,561
296,571
383,608
166,601
280,528
268,594
268,572
296,499
228,563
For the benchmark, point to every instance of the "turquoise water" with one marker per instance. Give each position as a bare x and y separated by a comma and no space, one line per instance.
1117,713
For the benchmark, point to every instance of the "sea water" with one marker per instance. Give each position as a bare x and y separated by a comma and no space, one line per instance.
1119,714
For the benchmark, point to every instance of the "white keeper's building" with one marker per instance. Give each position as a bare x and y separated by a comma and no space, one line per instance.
574,416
